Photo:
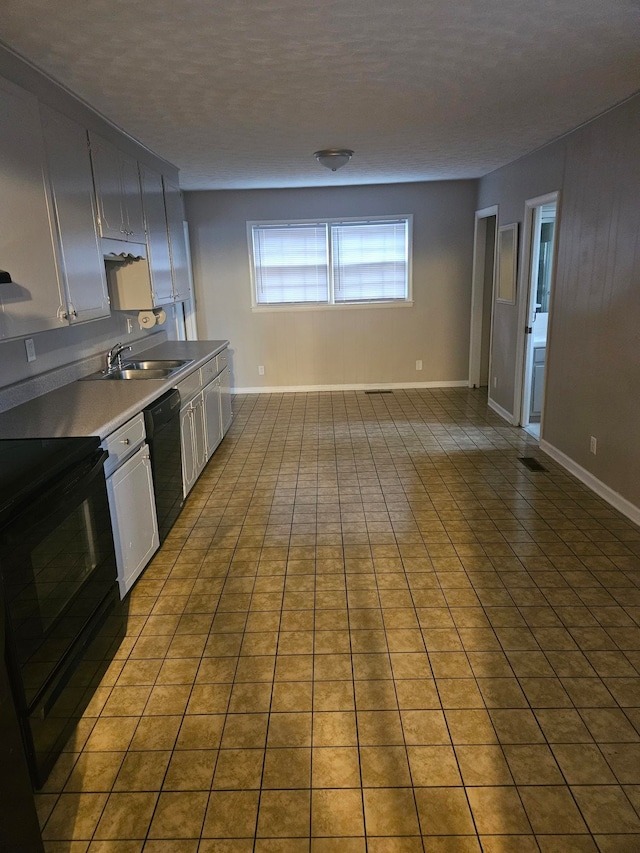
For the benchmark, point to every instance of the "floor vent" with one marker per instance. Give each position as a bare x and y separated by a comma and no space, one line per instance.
531,463
379,392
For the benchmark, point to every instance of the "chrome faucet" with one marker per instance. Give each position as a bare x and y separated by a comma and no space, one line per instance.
114,357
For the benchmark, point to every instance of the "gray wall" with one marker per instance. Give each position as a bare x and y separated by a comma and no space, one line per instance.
593,354
339,346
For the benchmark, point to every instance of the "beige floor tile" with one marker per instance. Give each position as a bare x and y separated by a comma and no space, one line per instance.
532,764
568,844
289,730
483,765
552,810
498,811
451,844
245,731
379,728
336,812
335,728
179,815
287,768
384,766
624,760
284,814
390,811
335,767
470,726
142,771
444,811
424,728
583,764
198,731
92,772
231,814
191,770
74,816
126,815
606,809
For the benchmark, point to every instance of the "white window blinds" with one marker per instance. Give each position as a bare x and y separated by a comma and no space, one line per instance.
331,262
291,263
369,261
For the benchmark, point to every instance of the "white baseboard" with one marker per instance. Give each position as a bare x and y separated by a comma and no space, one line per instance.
376,386
508,417
616,500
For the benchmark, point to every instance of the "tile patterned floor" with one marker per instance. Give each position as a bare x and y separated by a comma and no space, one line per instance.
372,629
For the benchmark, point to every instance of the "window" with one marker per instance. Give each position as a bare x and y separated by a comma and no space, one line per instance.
330,263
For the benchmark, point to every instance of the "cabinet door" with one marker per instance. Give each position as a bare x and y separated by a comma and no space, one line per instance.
199,440
132,215
212,419
177,242
188,452
107,177
133,517
32,302
157,236
81,260
225,400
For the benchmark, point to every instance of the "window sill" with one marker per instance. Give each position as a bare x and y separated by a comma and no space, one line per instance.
267,309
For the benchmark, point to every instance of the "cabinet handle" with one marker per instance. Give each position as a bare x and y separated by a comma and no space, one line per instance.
125,441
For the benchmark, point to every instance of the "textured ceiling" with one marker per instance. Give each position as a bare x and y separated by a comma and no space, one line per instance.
240,94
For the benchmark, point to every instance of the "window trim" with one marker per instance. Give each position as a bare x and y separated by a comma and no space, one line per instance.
331,305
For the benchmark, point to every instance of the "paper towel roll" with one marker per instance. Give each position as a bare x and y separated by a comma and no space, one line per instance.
161,315
147,319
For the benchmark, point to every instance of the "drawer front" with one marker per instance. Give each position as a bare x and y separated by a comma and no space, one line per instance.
189,387
209,371
223,359
123,442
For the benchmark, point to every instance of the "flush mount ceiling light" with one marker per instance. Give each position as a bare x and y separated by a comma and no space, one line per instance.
333,158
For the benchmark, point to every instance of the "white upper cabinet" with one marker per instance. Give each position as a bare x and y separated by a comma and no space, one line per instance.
81,261
118,195
177,242
157,238
31,302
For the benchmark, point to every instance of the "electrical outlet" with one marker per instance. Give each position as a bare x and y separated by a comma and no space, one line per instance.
419,364
593,444
30,348
261,370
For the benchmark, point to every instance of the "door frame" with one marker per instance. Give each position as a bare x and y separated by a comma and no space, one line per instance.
477,292
524,308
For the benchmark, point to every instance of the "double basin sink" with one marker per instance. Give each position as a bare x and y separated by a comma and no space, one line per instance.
152,369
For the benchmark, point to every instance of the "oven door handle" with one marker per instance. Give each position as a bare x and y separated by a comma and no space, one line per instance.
58,498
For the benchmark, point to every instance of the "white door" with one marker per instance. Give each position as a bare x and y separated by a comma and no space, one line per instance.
539,253
225,400
188,454
157,236
484,254
108,184
199,440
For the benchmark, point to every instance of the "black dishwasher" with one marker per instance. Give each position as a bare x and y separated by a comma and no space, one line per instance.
162,422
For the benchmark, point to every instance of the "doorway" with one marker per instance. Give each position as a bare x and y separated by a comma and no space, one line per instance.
484,255
540,229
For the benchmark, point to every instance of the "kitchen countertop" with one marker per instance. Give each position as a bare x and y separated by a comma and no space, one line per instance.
97,407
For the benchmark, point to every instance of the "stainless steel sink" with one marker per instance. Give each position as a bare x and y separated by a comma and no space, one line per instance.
147,369
137,373
157,364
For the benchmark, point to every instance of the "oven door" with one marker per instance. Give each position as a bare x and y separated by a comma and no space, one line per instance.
59,571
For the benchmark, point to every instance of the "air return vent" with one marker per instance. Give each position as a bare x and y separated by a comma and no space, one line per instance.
531,463
379,392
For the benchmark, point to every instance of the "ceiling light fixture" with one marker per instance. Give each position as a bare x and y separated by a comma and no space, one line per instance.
333,158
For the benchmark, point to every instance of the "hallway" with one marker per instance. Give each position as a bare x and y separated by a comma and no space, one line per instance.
372,629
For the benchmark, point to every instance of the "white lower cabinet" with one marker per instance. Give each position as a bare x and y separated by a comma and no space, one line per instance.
212,420
133,517
226,414
192,433
205,416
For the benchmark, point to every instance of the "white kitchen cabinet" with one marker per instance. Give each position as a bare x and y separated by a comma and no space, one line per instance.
118,195
192,434
212,418
177,242
133,517
31,302
161,284
226,413
81,261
